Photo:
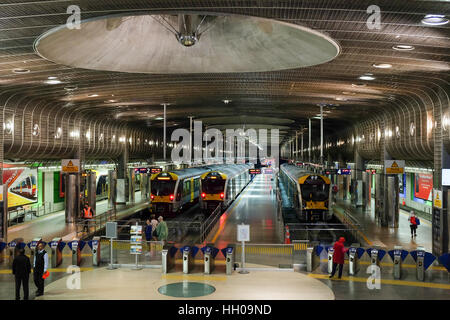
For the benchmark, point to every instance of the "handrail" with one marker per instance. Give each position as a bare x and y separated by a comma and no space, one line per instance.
209,223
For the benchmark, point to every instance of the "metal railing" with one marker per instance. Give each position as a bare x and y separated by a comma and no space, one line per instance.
274,255
28,212
208,224
95,224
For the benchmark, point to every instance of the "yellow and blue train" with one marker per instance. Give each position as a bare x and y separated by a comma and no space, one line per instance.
310,193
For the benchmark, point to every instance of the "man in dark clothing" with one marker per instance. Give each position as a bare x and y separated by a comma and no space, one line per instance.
21,269
338,256
40,265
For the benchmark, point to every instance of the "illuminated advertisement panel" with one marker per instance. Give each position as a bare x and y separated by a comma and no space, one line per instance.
22,186
423,185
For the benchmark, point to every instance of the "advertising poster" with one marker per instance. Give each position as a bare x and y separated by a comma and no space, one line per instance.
136,239
136,230
135,250
402,184
22,186
423,185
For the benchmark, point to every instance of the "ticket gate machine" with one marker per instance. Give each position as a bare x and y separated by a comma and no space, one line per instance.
423,261
397,256
209,257
2,247
330,259
312,256
376,255
94,244
33,247
13,251
188,257
354,254
228,253
168,258
76,246
56,246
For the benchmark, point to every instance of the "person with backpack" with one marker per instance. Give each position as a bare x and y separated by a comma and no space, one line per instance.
413,223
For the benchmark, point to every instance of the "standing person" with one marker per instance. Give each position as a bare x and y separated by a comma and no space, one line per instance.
88,214
148,235
162,230
413,223
154,223
334,191
40,266
338,256
21,269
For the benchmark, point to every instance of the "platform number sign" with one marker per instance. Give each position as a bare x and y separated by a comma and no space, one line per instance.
254,171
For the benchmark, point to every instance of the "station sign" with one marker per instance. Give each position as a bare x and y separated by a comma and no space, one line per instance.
70,165
155,170
344,171
243,232
140,170
394,166
437,198
254,171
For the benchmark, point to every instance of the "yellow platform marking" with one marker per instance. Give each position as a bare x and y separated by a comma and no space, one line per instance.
49,270
385,281
200,262
193,277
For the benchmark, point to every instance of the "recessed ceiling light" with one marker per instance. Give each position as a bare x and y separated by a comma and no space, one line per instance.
366,77
21,70
382,65
93,95
159,118
226,101
348,93
403,47
52,78
340,99
52,81
435,19
110,101
70,88
358,85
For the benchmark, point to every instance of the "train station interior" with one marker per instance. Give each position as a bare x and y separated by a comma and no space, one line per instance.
233,151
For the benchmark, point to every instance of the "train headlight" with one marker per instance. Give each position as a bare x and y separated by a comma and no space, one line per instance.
203,195
152,197
171,197
222,195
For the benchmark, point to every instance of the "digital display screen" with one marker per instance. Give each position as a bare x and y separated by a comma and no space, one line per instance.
155,170
344,171
254,171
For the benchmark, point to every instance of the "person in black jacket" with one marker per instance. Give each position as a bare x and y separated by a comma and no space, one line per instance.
40,266
21,269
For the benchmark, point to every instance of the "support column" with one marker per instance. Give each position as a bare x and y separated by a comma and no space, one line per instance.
112,184
165,124
122,180
131,184
321,134
301,147
72,202
92,190
309,141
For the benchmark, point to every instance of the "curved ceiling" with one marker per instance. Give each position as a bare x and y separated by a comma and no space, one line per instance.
289,94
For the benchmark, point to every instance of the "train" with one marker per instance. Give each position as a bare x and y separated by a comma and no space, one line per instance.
173,191
26,188
222,184
309,192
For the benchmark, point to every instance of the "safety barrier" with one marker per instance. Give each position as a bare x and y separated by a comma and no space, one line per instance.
275,255
95,224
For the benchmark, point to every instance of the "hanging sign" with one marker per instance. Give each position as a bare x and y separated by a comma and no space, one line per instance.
70,165
437,198
394,166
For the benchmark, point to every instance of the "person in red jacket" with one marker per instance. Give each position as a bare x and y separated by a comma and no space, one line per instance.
338,256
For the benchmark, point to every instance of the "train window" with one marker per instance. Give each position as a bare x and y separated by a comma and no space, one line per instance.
186,188
196,184
315,192
213,186
163,187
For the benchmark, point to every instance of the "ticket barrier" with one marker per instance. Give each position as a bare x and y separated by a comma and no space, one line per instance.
188,257
423,261
228,253
168,258
376,255
13,249
312,256
398,255
94,244
445,260
354,254
330,259
209,257
2,248
33,247
76,246
57,246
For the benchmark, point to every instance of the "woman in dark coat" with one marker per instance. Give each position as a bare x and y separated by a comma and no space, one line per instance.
338,256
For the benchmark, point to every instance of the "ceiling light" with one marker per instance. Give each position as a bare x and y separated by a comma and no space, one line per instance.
348,93
226,101
93,95
340,99
159,118
52,81
21,70
382,65
403,47
111,101
70,88
365,77
52,78
358,85
434,19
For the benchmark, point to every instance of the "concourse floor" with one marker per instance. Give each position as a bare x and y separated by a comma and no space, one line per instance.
373,234
256,206
54,224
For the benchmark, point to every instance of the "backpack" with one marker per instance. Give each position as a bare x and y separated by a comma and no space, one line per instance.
417,221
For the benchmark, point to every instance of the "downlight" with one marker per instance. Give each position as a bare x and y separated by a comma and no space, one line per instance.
403,47
434,20
21,70
367,77
382,65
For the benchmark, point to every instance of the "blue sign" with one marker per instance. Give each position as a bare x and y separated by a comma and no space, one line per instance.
344,171
227,250
380,253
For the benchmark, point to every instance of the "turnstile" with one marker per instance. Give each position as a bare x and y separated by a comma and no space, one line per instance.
397,256
312,257
423,261
168,258
354,254
76,247
94,244
188,257
56,246
33,246
228,253
2,248
330,260
13,250
209,257
376,255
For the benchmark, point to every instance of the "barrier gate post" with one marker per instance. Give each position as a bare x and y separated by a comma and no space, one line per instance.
353,259
420,263
330,260
397,262
312,256
168,258
33,245
96,253
228,253
56,252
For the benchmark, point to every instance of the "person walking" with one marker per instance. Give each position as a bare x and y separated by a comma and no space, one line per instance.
88,214
148,235
21,269
40,265
413,223
338,256
154,223
161,230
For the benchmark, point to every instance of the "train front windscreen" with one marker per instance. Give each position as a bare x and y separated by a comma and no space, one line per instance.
163,187
315,189
213,186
